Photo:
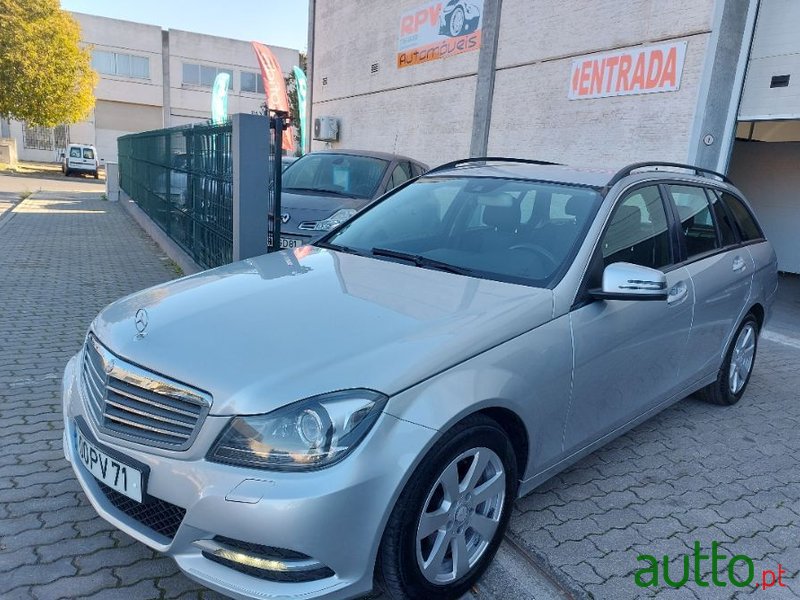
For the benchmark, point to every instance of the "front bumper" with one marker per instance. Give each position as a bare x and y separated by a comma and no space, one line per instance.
335,515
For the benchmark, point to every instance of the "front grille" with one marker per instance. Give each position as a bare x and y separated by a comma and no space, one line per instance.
156,514
128,402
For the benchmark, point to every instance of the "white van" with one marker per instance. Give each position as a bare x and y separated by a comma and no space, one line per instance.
80,158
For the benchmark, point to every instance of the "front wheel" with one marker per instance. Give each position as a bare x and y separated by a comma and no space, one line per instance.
450,518
734,375
457,22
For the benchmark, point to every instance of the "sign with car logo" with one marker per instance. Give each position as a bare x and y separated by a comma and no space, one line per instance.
438,30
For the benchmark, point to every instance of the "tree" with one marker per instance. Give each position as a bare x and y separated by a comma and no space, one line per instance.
46,77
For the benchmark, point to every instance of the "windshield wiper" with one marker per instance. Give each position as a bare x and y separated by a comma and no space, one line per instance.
339,248
317,191
422,261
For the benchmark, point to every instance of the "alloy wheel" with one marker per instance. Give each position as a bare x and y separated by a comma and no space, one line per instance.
460,515
742,358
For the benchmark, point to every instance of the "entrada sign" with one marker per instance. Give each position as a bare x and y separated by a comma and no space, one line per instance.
644,70
438,30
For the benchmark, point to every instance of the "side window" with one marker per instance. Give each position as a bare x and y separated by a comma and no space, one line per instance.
401,174
748,228
417,170
724,224
697,226
638,231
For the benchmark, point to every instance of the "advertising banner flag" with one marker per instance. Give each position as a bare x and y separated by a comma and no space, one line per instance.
219,98
301,84
275,87
644,70
437,30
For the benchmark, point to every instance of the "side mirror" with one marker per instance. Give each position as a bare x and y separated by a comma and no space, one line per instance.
626,281
62,155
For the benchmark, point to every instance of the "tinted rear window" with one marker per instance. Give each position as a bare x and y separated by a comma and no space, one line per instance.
726,227
748,228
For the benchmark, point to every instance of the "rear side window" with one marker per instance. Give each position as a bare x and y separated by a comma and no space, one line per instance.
694,212
724,222
638,231
748,228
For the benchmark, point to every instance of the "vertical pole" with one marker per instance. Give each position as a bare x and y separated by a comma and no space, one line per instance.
312,11
484,86
277,168
249,149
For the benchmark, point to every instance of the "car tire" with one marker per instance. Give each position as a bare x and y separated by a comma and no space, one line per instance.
734,375
477,440
96,175
460,17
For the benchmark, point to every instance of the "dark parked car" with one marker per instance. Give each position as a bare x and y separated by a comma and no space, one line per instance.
323,189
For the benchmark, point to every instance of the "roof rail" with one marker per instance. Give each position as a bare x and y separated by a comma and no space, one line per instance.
625,171
486,159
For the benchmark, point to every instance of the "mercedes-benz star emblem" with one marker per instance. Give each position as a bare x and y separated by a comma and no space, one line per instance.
141,321
285,217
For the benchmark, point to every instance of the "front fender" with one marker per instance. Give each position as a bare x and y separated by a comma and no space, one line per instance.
529,375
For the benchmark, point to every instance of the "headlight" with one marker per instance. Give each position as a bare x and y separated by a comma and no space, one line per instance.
308,434
337,218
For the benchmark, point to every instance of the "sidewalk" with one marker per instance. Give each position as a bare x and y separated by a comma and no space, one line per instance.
694,473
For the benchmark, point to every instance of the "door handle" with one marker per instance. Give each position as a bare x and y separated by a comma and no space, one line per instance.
739,264
677,293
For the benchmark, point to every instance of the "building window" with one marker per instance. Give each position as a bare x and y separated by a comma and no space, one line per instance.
203,75
45,138
252,82
122,65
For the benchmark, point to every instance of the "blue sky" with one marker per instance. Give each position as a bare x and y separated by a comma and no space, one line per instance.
277,22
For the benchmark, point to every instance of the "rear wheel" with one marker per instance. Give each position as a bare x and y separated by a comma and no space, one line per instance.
96,175
450,519
67,172
734,375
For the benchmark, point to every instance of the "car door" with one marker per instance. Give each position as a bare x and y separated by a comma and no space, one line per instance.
721,270
628,354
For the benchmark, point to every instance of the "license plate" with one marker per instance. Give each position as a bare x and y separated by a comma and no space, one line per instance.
115,474
286,242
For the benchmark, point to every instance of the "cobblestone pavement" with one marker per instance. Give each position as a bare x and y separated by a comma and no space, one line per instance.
694,473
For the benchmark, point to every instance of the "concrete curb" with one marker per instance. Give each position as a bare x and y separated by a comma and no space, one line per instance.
170,248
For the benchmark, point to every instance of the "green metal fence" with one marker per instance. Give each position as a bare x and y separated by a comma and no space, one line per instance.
182,178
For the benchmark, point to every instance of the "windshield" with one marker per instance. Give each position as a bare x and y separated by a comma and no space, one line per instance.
504,229
342,174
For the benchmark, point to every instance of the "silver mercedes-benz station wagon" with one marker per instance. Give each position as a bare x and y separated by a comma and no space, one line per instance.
367,409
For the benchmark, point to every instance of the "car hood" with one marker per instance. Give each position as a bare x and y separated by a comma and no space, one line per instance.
267,331
313,207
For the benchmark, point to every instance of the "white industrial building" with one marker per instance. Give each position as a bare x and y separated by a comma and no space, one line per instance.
600,84
150,78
